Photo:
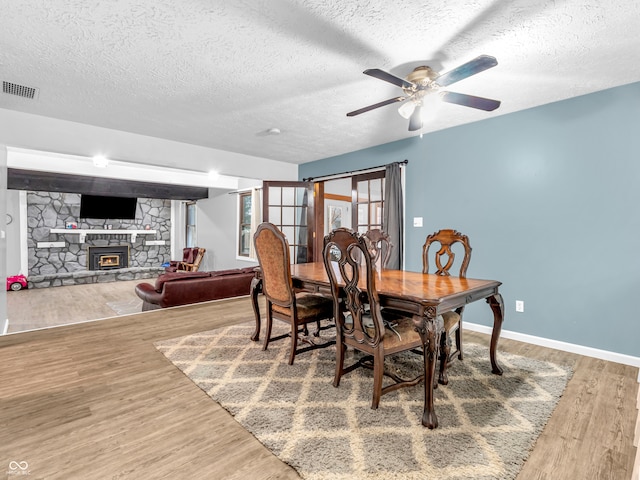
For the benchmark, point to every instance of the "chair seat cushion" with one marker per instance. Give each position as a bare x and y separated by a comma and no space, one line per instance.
451,320
398,330
310,307
401,332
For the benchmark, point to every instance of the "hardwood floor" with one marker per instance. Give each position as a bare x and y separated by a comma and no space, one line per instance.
30,309
97,401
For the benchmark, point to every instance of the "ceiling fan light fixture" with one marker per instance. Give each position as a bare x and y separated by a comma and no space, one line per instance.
423,82
406,109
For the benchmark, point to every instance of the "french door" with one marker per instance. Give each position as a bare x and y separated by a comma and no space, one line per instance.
297,209
290,207
367,200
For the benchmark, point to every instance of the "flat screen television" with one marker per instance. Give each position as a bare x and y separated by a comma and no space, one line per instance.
104,207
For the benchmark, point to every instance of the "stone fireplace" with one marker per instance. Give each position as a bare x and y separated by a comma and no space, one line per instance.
125,249
108,258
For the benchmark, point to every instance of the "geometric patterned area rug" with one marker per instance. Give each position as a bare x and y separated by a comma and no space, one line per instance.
488,424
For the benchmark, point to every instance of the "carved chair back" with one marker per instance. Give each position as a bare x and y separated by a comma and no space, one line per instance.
445,256
380,248
351,269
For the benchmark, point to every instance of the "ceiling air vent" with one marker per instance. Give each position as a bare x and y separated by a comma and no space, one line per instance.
20,90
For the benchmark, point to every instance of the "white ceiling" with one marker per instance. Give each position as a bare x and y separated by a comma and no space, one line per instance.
221,73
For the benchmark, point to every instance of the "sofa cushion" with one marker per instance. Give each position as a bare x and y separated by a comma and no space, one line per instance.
178,276
233,271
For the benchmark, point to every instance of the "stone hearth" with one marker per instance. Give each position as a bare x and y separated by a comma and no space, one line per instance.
93,276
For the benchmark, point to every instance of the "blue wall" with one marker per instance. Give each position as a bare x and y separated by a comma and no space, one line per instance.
550,200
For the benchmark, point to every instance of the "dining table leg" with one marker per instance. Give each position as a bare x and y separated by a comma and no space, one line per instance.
256,289
497,307
429,327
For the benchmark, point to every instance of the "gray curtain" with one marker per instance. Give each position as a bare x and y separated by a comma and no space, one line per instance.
303,254
393,221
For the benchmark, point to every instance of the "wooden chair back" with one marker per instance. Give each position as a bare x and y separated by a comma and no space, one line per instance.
351,270
380,248
445,256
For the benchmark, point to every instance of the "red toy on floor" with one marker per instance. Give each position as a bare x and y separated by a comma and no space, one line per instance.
17,282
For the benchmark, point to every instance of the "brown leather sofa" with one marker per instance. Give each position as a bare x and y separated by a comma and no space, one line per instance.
183,288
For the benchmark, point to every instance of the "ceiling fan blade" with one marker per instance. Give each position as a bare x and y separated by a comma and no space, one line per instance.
477,65
376,105
480,103
387,77
415,121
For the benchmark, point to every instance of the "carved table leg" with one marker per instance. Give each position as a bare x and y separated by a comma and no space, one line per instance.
497,306
430,330
256,288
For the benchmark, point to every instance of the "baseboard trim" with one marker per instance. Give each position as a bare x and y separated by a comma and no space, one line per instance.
5,329
558,345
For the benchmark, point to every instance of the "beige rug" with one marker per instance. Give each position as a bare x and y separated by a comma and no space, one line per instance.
488,423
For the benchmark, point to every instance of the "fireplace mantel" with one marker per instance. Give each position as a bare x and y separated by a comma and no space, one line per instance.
100,231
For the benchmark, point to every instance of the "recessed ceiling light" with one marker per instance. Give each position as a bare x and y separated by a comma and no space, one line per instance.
100,161
273,131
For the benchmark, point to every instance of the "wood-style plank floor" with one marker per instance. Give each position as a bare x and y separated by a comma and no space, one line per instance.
97,401
30,309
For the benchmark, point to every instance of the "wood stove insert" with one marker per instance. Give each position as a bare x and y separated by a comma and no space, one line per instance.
110,257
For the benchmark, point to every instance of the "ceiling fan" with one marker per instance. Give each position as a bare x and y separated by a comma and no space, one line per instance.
424,81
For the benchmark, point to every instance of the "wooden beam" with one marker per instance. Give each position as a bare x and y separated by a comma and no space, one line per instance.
32,180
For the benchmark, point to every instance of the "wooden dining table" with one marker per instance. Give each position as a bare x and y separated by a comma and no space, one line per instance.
424,296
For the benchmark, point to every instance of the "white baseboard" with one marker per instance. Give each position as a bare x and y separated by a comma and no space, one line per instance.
5,329
558,345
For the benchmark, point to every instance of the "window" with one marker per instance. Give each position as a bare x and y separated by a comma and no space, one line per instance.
244,246
190,225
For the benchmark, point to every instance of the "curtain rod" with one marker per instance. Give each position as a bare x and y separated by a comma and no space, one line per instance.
345,174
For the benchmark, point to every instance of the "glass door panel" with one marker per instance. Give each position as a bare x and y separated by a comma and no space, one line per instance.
368,200
289,206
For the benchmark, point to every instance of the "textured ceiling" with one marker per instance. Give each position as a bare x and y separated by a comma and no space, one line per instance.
221,73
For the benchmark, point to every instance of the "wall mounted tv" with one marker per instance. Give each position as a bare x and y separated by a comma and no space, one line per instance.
104,207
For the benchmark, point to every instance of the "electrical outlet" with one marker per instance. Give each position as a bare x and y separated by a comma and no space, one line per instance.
519,306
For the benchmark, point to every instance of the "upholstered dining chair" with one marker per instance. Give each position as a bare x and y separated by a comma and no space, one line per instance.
283,302
444,259
359,321
380,247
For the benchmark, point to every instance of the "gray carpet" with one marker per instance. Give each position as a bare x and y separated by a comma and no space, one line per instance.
488,423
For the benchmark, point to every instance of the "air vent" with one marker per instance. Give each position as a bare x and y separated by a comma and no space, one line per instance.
20,90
